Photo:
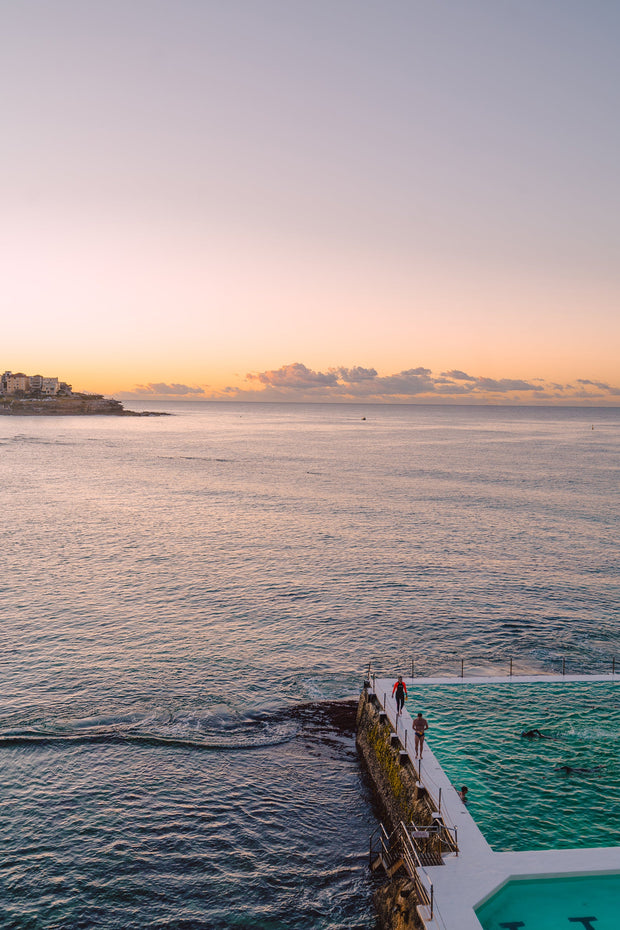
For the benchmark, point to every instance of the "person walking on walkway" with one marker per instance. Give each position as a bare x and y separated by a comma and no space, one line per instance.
420,726
400,690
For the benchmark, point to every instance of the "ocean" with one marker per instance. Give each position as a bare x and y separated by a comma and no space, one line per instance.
189,604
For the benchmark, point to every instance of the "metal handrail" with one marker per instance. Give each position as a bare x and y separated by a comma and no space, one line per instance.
383,838
409,851
399,843
447,833
386,845
448,836
415,869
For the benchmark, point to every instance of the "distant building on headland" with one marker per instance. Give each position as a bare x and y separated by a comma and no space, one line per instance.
32,385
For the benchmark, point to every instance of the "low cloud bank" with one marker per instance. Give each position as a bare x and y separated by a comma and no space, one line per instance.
297,382
159,389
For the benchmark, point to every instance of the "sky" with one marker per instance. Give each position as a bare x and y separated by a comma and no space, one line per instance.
353,200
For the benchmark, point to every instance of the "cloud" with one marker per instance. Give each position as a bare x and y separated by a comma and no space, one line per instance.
408,383
352,375
503,385
597,384
294,377
160,388
458,375
342,383
297,382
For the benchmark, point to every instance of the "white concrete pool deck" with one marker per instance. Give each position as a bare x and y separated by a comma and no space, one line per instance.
466,880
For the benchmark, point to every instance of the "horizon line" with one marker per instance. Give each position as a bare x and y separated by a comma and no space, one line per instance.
355,403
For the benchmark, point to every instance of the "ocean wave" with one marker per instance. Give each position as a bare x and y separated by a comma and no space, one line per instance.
250,741
215,732
21,438
150,739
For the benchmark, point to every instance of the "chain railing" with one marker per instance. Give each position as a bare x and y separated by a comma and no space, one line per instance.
456,667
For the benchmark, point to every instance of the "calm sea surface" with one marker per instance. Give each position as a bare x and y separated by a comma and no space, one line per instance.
181,597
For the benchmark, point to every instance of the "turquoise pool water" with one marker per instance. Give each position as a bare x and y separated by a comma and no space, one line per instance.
557,792
585,902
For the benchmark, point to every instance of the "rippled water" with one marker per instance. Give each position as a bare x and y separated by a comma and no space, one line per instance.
180,595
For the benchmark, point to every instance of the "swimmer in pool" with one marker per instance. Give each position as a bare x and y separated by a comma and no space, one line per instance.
533,734
575,770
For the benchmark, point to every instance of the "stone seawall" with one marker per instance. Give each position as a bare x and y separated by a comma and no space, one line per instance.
399,797
398,793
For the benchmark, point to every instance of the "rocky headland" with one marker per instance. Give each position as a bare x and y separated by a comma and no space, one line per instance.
72,406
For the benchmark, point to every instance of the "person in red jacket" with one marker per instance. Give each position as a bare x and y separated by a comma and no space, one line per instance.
400,690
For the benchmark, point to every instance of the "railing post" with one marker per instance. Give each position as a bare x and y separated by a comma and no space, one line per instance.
406,740
384,698
456,840
462,665
432,897
374,681
440,800
613,666
563,666
511,668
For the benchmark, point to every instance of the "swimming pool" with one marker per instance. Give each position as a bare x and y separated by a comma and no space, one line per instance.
555,792
581,902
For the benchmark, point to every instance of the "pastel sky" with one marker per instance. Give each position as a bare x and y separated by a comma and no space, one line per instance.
383,200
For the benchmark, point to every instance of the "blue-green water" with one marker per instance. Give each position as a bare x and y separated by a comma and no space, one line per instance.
585,902
553,792
180,596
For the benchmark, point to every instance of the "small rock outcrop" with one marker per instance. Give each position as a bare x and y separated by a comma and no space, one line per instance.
395,904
